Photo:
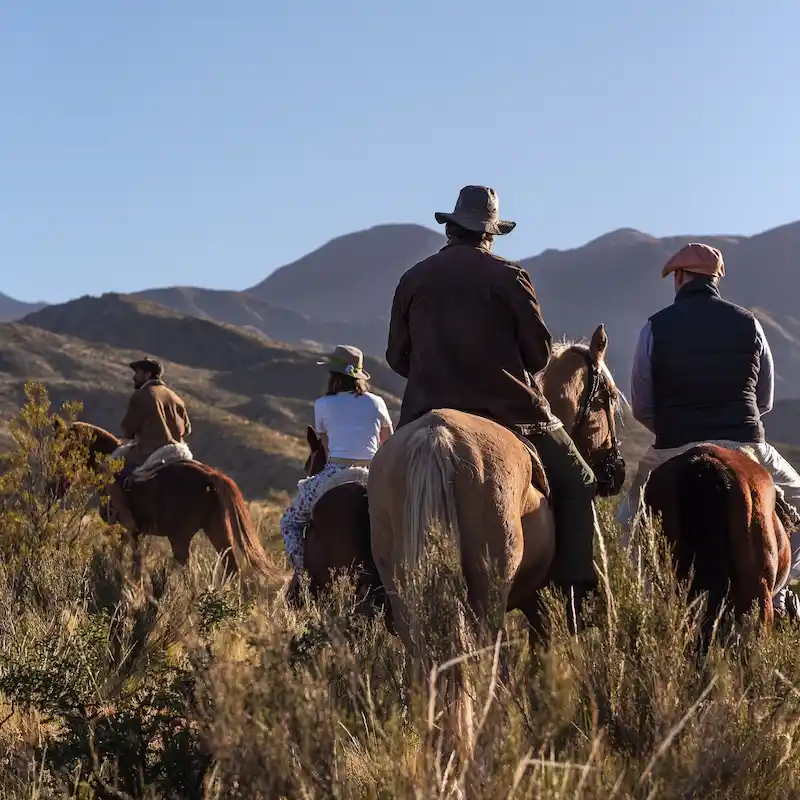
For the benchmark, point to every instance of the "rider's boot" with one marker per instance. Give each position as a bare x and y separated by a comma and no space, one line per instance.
786,511
119,502
573,487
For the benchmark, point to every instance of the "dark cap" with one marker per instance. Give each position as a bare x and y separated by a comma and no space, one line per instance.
148,365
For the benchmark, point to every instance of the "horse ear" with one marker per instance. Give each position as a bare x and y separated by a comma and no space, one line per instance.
312,438
599,344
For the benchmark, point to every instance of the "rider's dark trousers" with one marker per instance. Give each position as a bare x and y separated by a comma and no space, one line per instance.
572,487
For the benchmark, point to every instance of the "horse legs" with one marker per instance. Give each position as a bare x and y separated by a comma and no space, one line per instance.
180,548
538,536
136,554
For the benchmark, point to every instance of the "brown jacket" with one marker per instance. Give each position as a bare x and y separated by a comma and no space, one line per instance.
458,319
156,416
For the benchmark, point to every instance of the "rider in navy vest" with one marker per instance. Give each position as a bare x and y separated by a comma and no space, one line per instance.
703,372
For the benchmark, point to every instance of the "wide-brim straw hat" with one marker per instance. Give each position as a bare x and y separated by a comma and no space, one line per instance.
346,360
478,210
701,259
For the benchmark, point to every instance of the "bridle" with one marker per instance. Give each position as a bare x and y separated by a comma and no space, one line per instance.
596,382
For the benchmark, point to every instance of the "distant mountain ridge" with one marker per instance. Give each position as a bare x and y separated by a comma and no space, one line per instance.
11,309
342,291
347,278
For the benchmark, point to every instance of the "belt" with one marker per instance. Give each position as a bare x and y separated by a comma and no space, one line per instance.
351,462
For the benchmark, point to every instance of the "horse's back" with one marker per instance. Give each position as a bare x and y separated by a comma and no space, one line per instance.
717,508
478,441
339,535
485,466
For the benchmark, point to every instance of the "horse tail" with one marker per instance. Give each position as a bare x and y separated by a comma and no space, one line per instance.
431,503
431,511
705,491
234,523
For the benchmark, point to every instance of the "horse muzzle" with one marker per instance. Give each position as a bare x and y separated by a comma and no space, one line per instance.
610,474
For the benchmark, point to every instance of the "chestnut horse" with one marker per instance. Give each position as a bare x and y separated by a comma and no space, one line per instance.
471,479
337,537
718,512
183,498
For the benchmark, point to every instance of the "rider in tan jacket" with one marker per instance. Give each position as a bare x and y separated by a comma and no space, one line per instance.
156,416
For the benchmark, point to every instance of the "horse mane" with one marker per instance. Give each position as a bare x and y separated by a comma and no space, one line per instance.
569,346
95,429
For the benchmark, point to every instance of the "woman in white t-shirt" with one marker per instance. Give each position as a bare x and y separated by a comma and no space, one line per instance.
352,424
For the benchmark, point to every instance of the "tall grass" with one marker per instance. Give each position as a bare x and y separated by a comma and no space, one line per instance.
179,687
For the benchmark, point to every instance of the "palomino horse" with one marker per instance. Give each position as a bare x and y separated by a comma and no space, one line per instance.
471,479
337,538
718,512
183,498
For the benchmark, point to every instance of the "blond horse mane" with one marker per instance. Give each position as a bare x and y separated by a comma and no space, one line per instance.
567,346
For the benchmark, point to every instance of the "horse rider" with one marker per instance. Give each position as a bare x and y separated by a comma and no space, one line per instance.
155,417
458,319
352,424
703,372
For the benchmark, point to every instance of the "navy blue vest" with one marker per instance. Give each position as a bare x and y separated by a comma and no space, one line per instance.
705,363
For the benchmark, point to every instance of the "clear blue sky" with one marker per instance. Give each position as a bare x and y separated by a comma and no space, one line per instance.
153,143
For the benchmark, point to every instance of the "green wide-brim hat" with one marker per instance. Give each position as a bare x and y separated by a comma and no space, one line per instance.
346,360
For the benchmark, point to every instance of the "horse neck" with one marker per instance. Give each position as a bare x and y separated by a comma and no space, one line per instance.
102,442
562,388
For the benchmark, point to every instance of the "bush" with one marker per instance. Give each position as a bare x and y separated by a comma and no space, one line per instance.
178,687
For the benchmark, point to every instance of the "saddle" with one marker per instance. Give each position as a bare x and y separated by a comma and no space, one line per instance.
538,476
155,462
352,475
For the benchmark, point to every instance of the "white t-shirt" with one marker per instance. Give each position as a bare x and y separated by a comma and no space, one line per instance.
353,423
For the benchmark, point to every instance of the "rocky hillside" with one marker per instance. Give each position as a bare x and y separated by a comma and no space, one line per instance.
250,399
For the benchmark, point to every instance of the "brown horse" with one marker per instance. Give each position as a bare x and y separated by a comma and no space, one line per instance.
183,498
338,536
471,479
718,512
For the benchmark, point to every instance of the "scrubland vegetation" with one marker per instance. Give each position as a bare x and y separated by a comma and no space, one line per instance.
183,686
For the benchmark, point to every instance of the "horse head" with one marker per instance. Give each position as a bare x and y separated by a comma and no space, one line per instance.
582,393
96,441
317,457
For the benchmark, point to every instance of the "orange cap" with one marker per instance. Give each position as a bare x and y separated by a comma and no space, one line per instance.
702,259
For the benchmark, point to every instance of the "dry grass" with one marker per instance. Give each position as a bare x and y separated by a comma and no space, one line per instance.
182,689
184,686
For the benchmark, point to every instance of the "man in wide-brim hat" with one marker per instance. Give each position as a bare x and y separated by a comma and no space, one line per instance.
703,372
477,210
458,319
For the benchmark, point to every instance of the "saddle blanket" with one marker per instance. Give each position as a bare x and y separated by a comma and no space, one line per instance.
156,461
354,474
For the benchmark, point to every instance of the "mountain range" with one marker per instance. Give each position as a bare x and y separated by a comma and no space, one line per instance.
246,361
342,291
